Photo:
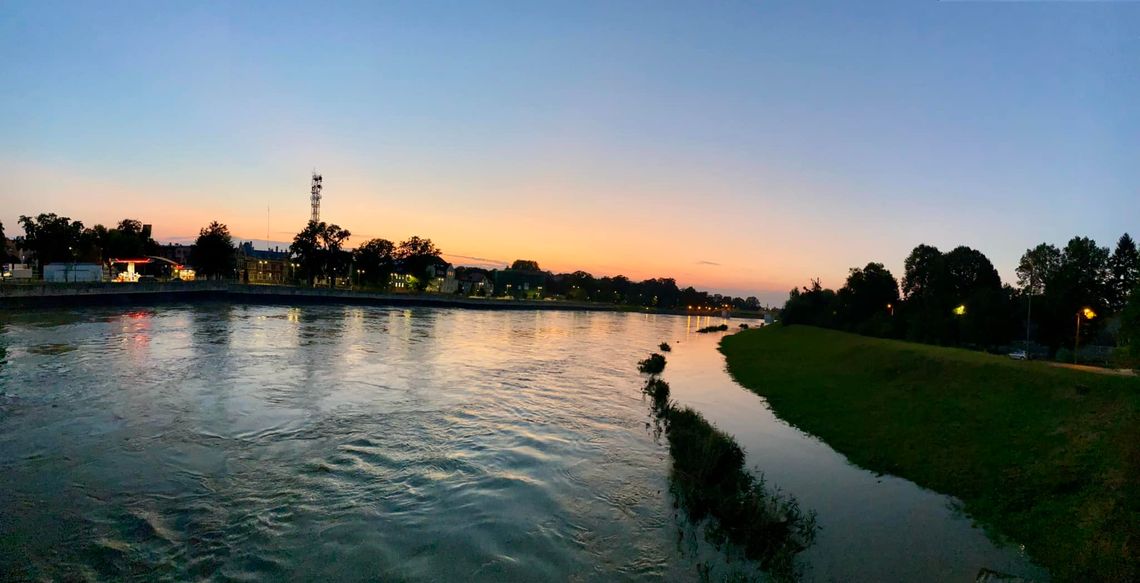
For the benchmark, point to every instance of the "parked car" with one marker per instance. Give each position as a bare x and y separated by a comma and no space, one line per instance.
1019,355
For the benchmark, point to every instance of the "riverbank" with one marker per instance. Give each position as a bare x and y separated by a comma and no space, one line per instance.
50,295
1049,457
54,295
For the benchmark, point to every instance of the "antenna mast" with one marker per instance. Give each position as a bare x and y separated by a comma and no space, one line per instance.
315,198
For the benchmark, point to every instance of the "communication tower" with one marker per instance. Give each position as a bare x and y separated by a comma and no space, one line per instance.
315,198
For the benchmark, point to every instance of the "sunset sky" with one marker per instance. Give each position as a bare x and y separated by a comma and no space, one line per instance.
742,147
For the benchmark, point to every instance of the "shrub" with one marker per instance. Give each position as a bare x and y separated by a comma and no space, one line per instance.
652,365
707,329
664,346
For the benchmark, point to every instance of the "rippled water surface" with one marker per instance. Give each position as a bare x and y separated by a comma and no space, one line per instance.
240,442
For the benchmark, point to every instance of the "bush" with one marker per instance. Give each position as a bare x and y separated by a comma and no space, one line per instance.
652,365
658,390
707,329
664,346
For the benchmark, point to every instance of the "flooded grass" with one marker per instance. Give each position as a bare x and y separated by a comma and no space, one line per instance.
710,482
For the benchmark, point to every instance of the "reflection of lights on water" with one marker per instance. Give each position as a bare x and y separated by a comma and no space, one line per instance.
293,315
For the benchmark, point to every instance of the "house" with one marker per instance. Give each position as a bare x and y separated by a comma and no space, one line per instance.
262,265
441,278
476,283
519,283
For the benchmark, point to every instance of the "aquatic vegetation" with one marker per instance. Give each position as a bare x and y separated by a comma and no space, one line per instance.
709,480
707,329
652,365
664,346
658,390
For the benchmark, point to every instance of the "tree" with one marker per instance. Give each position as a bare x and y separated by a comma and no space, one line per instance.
375,261
307,248
1124,272
814,306
525,265
1130,323
866,300
130,238
332,239
415,256
213,254
1037,266
51,238
923,271
969,271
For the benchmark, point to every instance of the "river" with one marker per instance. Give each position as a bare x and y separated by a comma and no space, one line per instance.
344,443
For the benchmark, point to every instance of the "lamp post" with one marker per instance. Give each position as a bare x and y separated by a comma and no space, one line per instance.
1089,314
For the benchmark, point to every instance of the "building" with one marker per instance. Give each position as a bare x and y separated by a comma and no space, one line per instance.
73,272
519,283
262,265
476,283
176,252
441,278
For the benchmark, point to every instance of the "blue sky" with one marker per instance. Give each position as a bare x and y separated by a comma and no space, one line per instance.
739,146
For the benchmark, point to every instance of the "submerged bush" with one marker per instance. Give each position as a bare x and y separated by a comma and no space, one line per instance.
658,390
652,365
664,346
710,481
708,329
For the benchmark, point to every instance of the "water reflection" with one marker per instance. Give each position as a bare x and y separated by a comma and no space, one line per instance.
312,442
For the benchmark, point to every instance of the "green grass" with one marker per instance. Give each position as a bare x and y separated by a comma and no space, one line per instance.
1046,456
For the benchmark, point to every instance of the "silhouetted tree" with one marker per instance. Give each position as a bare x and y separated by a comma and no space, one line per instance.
213,254
415,255
1130,323
866,300
814,306
1124,272
130,238
525,265
307,249
51,238
923,272
336,260
375,261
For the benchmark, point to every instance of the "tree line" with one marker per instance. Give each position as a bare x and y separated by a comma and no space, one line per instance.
660,292
958,298
319,254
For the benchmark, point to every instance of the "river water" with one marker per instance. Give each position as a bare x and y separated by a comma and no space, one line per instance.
344,443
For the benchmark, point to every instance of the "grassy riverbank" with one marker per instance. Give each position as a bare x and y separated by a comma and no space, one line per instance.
1049,457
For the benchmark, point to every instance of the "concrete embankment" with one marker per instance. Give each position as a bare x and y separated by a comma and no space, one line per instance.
46,295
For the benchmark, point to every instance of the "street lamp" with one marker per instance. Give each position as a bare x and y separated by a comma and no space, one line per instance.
891,309
1089,314
960,310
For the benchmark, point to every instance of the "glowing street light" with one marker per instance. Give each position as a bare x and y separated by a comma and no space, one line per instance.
1089,314
891,309
960,310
